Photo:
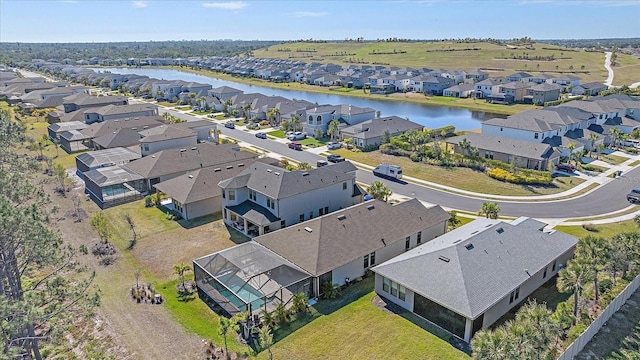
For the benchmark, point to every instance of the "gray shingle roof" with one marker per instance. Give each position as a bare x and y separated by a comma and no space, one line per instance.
343,236
277,183
108,156
376,127
197,185
173,161
501,258
521,148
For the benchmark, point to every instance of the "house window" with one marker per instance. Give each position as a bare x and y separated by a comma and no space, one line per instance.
223,195
514,295
224,213
252,195
402,292
232,194
301,217
553,267
311,214
544,274
535,135
310,119
372,258
344,186
320,213
366,261
146,147
385,285
419,237
271,203
282,224
488,155
319,120
501,129
394,288
326,210
407,243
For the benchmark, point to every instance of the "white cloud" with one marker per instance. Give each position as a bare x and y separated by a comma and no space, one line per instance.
139,4
230,5
309,13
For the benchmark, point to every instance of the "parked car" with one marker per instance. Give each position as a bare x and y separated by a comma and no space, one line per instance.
566,167
295,145
252,126
147,97
334,145
261,135
634,196
230,125
335,158
288,133
298,135
321,163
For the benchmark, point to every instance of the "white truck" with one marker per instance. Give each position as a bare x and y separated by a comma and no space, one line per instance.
388,171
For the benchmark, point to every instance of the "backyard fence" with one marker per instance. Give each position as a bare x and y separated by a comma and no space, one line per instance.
578,344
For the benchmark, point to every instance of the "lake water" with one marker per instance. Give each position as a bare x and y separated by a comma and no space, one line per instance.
426,115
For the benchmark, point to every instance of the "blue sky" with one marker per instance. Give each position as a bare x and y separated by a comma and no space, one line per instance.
123,20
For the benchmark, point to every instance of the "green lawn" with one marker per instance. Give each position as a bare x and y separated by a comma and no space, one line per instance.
604,230
277,133
460,178
613,159
360,330
635,163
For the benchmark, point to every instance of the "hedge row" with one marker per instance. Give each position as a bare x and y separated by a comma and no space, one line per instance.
521,178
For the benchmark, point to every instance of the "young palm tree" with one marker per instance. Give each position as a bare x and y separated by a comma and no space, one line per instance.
595,252
225,325
300,301
379,191
492,345
572,279
465,145
333,129
490,210
571,147
592,137
266,339
614,132
295,122
544,327
180,270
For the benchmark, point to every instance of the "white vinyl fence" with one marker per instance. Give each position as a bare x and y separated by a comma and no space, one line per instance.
595,326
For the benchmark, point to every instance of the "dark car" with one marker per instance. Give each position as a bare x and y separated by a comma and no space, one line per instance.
335,158
566,167
321,163
230,125
295,145
634,196
261,135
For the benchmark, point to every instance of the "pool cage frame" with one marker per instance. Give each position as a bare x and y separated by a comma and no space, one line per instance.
249,278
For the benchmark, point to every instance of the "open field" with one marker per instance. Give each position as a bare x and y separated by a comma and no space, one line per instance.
460,178
433,55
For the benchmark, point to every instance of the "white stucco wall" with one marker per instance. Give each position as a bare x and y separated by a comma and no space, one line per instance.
168,144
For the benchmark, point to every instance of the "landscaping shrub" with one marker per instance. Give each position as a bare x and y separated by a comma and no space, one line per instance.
148,201
605,285
389,149
590,227
574,332
415,156
520,178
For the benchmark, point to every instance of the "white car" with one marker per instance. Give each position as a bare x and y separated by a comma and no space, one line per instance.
334,145
297,136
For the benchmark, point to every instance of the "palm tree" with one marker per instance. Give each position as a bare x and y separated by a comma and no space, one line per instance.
492,345
593,137
225,325
333,129
465,145
266,339
540,320
300,302
614,132
304,166
571,147
595,252
379,191
572,279
274,114
180,269
490,210
295,121
245,111
225,106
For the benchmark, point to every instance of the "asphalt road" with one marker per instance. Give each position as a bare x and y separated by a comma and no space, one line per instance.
607,198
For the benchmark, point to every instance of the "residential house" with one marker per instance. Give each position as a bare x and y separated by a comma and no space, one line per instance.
339,247
165,137
112,112
468,278
541,93
519,77
476,76
83,101
223,93
371,132
515,89
487,87
54,130
104,158
590,89
526,154
431,85
459,91
264,198
319,117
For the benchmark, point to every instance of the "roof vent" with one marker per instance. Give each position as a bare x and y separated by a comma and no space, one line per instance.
194,148
475,232
269,170
457,241
153,156
305,174
341,217
444,258
217,169
190,176
277,173
469,246
240,165
183,150
370,207
308,229
229,167
499,230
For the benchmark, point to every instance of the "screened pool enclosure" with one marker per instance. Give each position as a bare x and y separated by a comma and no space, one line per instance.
249,277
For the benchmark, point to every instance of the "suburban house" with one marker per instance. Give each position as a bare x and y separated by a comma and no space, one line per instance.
123,183
487,87
54,130
466,279
224,93
519,77
112,112
264,198
104,158
516,89
459,91
431,85
319,117
339,247
370,133
476,76
541,93
590,89
83,101
526,154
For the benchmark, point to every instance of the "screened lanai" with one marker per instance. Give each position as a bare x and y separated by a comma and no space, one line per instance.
249,277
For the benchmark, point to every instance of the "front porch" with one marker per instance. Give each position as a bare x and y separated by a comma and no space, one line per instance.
251,219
